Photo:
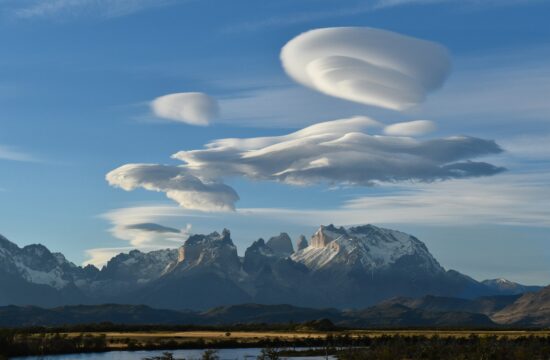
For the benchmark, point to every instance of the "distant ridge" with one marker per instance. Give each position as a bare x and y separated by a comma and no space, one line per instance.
531,310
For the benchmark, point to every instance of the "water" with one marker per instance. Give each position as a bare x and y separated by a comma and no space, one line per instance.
224,354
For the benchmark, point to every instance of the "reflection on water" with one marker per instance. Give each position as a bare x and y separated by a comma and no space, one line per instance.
224,354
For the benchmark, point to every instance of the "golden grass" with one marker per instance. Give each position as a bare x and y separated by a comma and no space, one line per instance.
250,336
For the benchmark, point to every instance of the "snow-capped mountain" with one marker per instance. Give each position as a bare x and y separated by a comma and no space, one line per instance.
509,287
37,265
363,247
337,267
209,250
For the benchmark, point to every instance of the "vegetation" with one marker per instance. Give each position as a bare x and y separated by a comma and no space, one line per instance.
17,343
346,345
449,348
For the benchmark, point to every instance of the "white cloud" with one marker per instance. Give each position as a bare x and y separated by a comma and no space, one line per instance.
192,108
380,4
10,153
100,256
362,7
516,199
332,152
75,8
338,152
368,66
178,183
410,128
141,230
138,226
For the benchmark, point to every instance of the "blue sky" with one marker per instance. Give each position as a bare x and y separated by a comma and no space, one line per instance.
77,78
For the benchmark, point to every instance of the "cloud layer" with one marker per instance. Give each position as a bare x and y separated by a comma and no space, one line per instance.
365,65
338,152
74,8
191,107
9,153
178,183
410,128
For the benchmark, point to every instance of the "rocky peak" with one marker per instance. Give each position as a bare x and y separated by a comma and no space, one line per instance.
301,243
212,249
326,234
281,244
259,246
138,266
367,247
6,245
256,256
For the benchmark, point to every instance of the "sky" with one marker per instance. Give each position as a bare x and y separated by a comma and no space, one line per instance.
133,123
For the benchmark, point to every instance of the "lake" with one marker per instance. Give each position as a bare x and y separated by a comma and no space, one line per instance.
224,354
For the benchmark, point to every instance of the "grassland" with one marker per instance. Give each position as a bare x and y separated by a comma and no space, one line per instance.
118,339
346,344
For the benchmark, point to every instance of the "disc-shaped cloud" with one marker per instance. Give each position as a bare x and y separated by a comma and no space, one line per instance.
333,152
178,183
410,128
365,65
192,107
342,152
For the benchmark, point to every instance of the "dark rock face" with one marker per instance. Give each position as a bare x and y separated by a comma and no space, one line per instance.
340,267
281,244
301,243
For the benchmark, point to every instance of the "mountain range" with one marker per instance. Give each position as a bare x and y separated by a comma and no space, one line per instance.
504,311
343,268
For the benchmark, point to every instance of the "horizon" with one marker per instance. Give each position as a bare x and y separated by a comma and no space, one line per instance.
131,124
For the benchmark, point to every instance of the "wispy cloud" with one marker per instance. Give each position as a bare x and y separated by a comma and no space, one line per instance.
75,8
139,229
10,153
100,256
361,7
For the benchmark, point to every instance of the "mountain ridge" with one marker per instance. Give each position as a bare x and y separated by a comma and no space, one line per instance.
338,267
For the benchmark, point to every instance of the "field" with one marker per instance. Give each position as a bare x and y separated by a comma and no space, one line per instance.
117,339
346,345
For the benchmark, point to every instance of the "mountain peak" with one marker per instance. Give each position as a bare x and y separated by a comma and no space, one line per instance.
365,246
212,249
301,243
326,234
508,287
281,244
7,245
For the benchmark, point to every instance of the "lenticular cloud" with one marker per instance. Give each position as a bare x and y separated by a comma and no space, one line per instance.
334,152
192,107
342,152
368,66
410,128
365,65
188,190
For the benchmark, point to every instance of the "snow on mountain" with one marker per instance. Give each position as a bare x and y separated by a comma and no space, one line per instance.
509,287
140,267
340,267
368,247
36,264
215,251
